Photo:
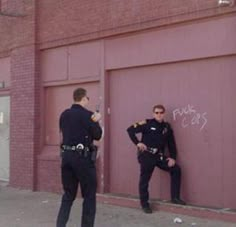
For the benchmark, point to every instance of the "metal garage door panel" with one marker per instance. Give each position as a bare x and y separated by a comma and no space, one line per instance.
190,86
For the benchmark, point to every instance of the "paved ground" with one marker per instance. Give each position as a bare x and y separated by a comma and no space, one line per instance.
22,208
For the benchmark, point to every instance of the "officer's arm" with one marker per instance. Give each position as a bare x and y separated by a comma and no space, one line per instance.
134,129
60,134
171,144
60,137
94,128
60,128
96,131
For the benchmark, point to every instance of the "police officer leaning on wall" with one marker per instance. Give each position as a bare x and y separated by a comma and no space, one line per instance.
156,134
79,127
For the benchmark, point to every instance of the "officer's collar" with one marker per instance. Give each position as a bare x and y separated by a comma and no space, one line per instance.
77,106
158,122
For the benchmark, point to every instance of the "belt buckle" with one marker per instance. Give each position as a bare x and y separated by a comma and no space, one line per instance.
153,150
73,148
80,146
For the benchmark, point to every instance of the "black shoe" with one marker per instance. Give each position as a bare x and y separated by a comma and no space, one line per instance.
178,201
147,210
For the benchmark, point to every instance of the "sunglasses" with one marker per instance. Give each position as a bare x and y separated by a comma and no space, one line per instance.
159,112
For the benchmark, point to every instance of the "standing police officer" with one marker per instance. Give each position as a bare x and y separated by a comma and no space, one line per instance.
79,127
156,134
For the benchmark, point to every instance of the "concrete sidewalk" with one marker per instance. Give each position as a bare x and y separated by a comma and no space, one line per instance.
22,208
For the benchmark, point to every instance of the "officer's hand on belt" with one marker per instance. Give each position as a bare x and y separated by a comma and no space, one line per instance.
96,116
141,147
171,162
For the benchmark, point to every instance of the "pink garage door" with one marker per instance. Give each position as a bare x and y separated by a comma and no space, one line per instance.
199,100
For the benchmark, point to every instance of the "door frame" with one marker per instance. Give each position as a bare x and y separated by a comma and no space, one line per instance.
6,93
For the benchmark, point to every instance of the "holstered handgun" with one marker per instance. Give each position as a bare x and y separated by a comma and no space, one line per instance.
94,150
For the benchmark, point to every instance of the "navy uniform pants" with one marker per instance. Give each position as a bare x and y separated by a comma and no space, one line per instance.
148,162
78,170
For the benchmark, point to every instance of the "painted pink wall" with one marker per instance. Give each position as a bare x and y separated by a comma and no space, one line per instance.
84,60
72,62
131,91
54,64
205,146
176,43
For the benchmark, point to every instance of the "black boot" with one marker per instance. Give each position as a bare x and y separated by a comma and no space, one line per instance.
147,209
178,201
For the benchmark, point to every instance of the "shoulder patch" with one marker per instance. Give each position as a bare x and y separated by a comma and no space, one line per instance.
135,125
142,122
139,123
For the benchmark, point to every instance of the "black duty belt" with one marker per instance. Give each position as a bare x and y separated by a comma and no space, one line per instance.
80,148
153,150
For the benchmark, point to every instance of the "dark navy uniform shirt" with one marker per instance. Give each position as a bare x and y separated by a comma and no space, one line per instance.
154,134
77,126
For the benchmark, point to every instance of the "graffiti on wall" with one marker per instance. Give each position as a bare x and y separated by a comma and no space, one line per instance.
189,116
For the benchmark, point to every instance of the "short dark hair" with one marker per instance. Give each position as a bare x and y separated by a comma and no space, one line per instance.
159,106
78,94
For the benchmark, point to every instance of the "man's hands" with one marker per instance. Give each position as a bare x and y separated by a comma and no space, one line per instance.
171,162
96,116
141,147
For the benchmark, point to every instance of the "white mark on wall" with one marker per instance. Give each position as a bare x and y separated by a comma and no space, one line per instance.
188,116
1,117
4,173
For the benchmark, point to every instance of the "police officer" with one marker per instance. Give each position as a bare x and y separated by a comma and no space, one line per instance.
79,127
156,135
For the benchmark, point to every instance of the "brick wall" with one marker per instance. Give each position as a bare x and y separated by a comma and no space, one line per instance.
24,126
63,22
5,34
54,23
17,23
49,176
25,96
